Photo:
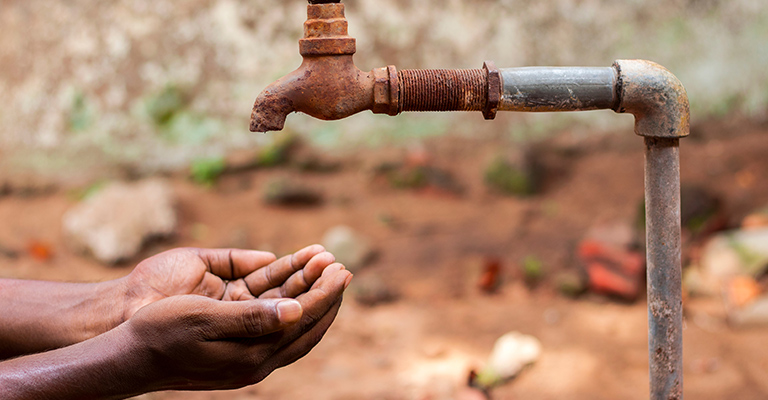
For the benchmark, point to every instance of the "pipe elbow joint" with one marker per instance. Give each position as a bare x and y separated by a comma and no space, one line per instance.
655,97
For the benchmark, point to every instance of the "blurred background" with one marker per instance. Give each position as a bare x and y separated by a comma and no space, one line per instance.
124,132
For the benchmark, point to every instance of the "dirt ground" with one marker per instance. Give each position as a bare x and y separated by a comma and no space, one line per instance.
430,248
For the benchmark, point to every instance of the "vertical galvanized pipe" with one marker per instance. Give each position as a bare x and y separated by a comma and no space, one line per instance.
665,307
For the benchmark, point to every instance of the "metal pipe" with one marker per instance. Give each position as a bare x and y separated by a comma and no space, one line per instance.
659,103
662,233
558,89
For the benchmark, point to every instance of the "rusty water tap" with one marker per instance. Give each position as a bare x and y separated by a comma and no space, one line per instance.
329,86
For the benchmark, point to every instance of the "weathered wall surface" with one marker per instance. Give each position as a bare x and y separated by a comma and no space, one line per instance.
156,83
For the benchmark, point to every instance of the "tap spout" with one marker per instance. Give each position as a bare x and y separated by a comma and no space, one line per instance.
325,87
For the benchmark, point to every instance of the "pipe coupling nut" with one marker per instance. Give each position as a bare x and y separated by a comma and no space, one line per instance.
493,77
386,91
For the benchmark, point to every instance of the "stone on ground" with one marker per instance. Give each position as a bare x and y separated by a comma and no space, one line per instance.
511,353
736,253
290,193
113,223
756,220
350,248
371,290
753,314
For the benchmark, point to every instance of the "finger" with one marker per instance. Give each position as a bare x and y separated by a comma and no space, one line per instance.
324,294
318,301
234,263
275,274
303,279
211,286
237,291
300,347
255,318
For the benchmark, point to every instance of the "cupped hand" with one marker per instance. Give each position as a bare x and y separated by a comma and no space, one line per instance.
199,343
223,274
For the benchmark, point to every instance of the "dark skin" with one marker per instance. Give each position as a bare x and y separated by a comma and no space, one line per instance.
187,319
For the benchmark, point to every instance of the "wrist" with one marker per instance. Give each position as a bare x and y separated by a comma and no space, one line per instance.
133,363
107,308
133,295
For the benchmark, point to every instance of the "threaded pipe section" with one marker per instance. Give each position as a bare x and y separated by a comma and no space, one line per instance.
442,89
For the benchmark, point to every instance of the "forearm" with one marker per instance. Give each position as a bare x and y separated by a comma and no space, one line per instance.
109,366
39,316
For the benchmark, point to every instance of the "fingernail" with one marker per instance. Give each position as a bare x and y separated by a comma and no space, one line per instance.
349,280
288,311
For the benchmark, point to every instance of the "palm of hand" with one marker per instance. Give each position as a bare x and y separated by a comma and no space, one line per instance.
226,274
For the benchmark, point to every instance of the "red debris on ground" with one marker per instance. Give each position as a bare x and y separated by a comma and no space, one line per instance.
40,251
612,270
489,278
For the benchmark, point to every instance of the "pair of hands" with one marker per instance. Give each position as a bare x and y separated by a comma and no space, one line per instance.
205,319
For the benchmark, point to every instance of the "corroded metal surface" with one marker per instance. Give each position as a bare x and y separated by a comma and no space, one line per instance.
665,305
442,89
655,97
326,32
494,87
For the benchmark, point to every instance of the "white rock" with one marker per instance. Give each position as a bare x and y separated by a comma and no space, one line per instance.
617,233
350,248
754,314
114,223
511,353
736,253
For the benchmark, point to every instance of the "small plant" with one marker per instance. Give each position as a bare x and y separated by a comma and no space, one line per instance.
206,171
278,152
570,284
80,117
409,178
533,270
508,179
84,193
166,104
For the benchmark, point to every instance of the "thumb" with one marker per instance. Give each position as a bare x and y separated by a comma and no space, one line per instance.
253,318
